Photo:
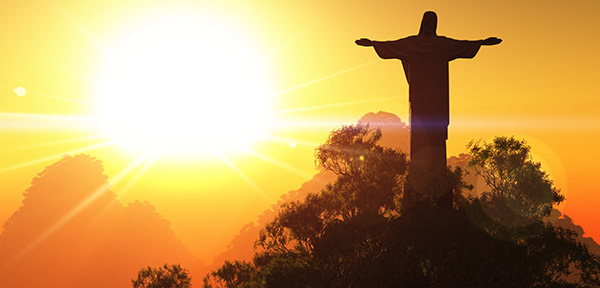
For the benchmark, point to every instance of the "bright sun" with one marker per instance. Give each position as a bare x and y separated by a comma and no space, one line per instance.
187,85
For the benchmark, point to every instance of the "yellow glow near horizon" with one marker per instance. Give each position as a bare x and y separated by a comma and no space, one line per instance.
186,85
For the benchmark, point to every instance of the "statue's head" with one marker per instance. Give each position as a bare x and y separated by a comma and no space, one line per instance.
428,24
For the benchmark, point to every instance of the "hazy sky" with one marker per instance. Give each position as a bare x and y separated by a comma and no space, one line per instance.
540,85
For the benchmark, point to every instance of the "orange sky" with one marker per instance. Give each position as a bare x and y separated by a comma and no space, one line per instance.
539,84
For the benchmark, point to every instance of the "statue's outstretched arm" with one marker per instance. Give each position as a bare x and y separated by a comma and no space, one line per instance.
491,41
364,42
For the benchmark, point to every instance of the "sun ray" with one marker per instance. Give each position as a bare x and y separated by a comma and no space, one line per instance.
554,123
245,178
78,73
148,161
278,51
335,105
44,117
67,68
60,98
71,70
55,156
51,143
477,123
324,123
37,122
291,142
88,36
279,164
326,77
82,30
73,212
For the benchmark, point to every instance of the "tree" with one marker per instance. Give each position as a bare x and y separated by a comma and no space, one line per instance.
354,233
301,243
167,276
370,176
368,186
520,192
232,274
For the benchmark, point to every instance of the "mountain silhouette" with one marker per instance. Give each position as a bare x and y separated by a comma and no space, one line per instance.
71,231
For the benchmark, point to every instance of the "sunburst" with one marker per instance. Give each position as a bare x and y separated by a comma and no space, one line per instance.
166,89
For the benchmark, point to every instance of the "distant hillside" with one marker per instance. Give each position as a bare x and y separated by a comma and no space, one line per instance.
71,231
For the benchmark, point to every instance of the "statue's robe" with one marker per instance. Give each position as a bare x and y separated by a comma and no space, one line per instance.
425,61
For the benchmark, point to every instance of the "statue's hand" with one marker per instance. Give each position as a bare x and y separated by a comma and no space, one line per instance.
364,42
491,41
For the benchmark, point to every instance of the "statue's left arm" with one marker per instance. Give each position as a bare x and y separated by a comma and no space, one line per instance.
467,49
491,41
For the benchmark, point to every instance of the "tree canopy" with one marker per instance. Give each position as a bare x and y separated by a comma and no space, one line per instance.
167,276
520,192
357,232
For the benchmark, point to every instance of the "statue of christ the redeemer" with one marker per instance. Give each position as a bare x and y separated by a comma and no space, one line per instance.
425,60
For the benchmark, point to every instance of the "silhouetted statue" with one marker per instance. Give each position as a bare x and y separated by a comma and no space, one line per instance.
425,60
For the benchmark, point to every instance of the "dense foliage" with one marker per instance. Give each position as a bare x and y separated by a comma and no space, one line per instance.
357,232
167,276
519,190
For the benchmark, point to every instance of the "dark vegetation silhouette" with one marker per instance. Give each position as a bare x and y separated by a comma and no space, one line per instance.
395,134
167,276
104,243
425,60
508,170
71,231
357,232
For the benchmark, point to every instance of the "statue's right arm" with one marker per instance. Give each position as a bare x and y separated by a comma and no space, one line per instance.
365,42
385,49
491,41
